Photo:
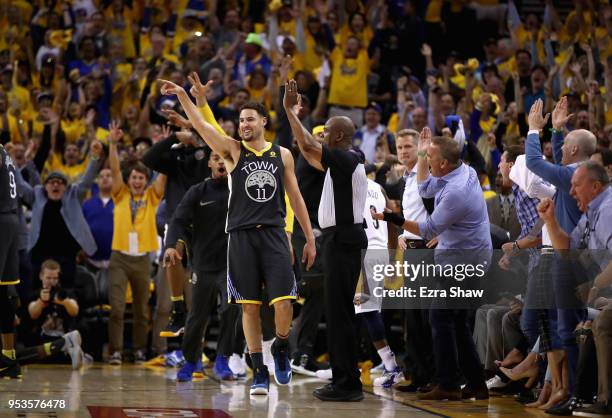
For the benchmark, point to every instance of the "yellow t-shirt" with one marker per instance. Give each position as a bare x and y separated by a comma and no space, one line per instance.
312,59
348,85
13,128
124,33
73,129
22,97
55,163
143,224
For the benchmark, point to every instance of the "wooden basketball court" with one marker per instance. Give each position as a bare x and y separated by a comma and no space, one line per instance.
102,391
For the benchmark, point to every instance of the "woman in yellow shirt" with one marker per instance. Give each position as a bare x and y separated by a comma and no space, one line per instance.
349,72
357,26
134,237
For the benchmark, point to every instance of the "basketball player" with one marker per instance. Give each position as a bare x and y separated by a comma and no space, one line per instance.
367,305
258,249
9,264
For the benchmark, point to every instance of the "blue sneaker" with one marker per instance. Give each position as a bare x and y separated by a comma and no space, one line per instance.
261,382
185,374
282,366
221,368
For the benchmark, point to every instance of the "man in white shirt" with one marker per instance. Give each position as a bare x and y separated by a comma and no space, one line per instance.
418,336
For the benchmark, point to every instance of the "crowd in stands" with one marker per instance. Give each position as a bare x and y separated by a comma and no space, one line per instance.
81,111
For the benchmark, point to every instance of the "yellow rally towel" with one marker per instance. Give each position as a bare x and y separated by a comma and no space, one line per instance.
366,378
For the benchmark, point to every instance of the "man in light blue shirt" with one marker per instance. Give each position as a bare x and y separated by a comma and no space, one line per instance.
460,222
590,188
577,147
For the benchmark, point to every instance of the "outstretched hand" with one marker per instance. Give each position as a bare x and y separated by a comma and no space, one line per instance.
199,90
96,149
291,97
536,120
168,88
176,119
424,139
559,114
115,132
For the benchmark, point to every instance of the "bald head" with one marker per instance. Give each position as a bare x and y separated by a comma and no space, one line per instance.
339,132
578,146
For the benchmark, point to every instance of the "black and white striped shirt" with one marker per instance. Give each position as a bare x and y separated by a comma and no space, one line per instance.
345,189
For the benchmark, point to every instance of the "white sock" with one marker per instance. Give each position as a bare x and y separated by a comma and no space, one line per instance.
388,358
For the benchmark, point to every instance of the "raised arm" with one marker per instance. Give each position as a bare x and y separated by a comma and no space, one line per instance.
559,176
113,157
159,185
219,143
200,91
559,120
92,170
309,147
422,165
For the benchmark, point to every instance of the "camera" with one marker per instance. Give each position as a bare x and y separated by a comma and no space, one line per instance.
57,291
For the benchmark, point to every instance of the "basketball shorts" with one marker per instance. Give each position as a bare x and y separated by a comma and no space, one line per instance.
258,258
9,249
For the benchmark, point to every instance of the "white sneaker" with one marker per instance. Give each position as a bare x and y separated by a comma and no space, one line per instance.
115,359
237,365
389,378
268,359
72,347
380,369
325,374
496,383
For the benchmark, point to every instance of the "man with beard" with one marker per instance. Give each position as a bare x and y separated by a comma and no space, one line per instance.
258,248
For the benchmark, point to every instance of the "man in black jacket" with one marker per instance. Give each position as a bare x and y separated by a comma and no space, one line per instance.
201,214
185,162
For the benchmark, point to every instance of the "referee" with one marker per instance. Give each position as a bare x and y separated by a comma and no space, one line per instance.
341,220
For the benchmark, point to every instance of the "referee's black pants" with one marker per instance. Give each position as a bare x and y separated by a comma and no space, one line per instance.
342,253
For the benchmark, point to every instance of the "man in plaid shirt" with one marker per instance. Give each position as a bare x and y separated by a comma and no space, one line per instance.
526,207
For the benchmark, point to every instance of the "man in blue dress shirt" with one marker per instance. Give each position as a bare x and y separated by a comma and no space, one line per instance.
460,222
590,188
578,146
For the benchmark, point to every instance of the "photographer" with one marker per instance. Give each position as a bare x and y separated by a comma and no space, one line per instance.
53,335
53,308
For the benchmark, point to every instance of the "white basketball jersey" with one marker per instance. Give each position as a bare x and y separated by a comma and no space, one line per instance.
378,235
